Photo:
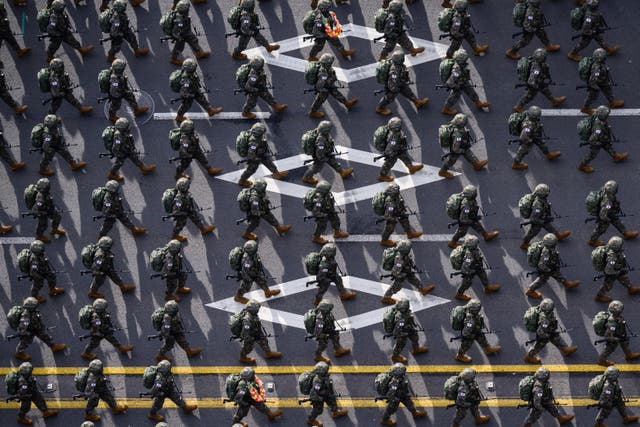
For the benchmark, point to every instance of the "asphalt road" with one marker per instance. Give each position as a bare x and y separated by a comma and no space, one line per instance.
499,190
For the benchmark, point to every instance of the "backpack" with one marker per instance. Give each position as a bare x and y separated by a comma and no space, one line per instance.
599,323
84,317
584,128
30,194
168,197
525,205
444,70
243,200
453,205
451,388
312,263
382,71
584,68
382,382
174,138
24,263
104,78
380,138
308,21
36,135
389,320
175,80
14,315
305,381
310,321
309,141
531,319
156,318
388,258
377,203
43,79
311,72
444,135
231,385
533,254
166,22
97,198
235,258
519,11
515,123
599,258
157,258
107,137
11,382
525,388
445,19
80,379
87,254
523,67
149,376
380,20
104,19
577,18
242,144
592,202
242,75
235,323
234,17
595,387
456,257
457,317
308,200
43,18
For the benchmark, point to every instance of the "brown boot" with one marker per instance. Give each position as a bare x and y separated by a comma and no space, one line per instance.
628,419
125,289
492,349
418,413
43,239
349,103
574,56
348,52
388,300
77,165
343,350
22,52
445,174
482,419
339,234
48,413
532,359
518,108
477,50
41,299
568,351
588,111
141,51
279,108
180,237
453,244
605,362
347,295
629,235
383,111
187,409
533,294
21,109
59,291
419,349
338,413
489,289
482,104
90,416
270,293
85,109
313,59
385,178
490,235
155,417
171,297
513,55
202,54
191,352
558,100
552,47
616,103
632,355
280,174
562,234
138,230
139,2
140,110
421,102
115,176
551,155
22,356
88,356
414,234
610,50
85,49
398,358
462,297
321,358
424,290
212,111
480,164
249,236
388,243
388,422
282,229
240,299
345,172
57,347
524,245
239,56
568,284
24,420
213,171
461,357
272,415
95,294
519,165
316,114
125,348
319,240
446,3
585,168
272,47
449,111
633,290
5,229
119,409
145,169
415,168
110,58
206,229
416,50
272,355
245,183
603,298
59,231
618,157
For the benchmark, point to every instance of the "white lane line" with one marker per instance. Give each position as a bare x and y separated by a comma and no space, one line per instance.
569,112
231,115
16,240
366,238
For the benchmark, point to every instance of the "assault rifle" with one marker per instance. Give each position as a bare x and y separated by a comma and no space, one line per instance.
599,30
171,216
245,219
443,86
544,138
334,154
25,214
241,90
84,337
238,33
18,335
384,156
305,38
271,154
620,215
339,328
181,98
158,336
156,275
48,100
558,332
546,24
451,153
488,331
404,215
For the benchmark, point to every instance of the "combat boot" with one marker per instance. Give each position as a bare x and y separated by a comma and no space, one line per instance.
48,413
282,229
115,176
316,114
610,49
278,108
382,57
480,164
449,111
558,100
345,172
202,54
490,235
482,104
212,111
272,415
43,239
85,49
249,236
77,165
160,357
482,419
574,56
22,52
125,289
603,298
271,47
349,103
388,243
205,229
628,419
461,357
419,349
388,300
385,178
171,297
552,47
24,420
110,58
424,290
478,49
41,299
20,109
59,291
616,103
398,358
321,358
418,413
125,348
269,293
420,102
518,108
512,54
446,3
85,109
21,355
563,419
568,284
137,230
313,59
618,157
347,295
140,110
90,416
383,110
348,52
462,297
633,290
629,235
445,174
247,359
155,417
95,294
600,425
245,183
145,169
211,171
4,229
585,168
339,234
239,56
141,51
191,352
492,349
453,244
415,168
605,362
338,413
339,352
528,358
416,50
588,111
187,409
240,299
17,166
414,234
568,351
88,356
139,2
551,155
519,165
632,355
280,174
319,240
388,422
489,289
562,234
531,293
119,409
180,237
57,347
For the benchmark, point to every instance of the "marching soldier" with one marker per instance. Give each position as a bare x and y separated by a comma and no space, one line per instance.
59,30
322,392
164,387
324,152
472,330
119,90
102,267
533,23
172,331
398,82
616,268
538,79
399,391
395,32
460,145
120,31
99,388
123,148
252,271
405,328
472,265
257,87
324,24
546,332
404,268
468,398
532,133
608,213
31,325
62,89
29,392
468,217
323,210
601,138
173,272
592,27
252,333
616,334
7,98
113,210
462,29
182,33
40,270
245,399
599,80
327,84
44,209
6,34
541,216
612,397
51,142
191,89
328,273
102,328
325,330
395,211
548,265
247,27
542,399
258,153
184,207
190,149
394,147
459,82
104,4
260,208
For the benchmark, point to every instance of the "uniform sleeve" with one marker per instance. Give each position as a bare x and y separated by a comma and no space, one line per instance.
246,24
165,328
469,326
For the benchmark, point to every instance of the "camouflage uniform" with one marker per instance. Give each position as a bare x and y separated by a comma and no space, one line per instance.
461,142
593,26
244,401
324,211
99,388
53,142
6,34
601,138
257,87
173,272
260,208
252,333
5,95
59,30
102,328
320,37
616,269
404,268
191,89
324,152
29,392
473,331
257,154
104,4
182,33
184,208
31,325
405,329
61,88
532,133
322,392
459,82
395,32
123,148
543,400
473,265
325,330
396,148
616,334
327,84
121,31
468,399
102,268
532,25
541,217
469,218
173,331
250,28
252,271
44,209
165,387
547,332
395,211
399,391
40,271
462,29
549,266
113,210
613,397
190,149
398,82
538,80
600,81
119,89
609,213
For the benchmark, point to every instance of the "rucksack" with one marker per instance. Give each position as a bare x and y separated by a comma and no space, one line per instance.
592,202
36,135
444,70
231,385
234,17
84,317
166,22
380,138
309,199
174,138
519,11
389,320
43,18
533,254
577,18
97,198
515,123
24,261
456,257
104,19
311,72
388,258
595,387
457,316
107,137
377,203
242,143
309,319
175,80
308,21
43,79
523,67
453,205
584,68
168,197
309,141
11,382
235,258
599,323
382,383
584,128
156,318
531,319
235,323
312,263
243,200
445,19
30,194
305,381
525,388
14,315
87,254
80,379
525,204
599,258
157,258
104,79
382,71
445,132
149,376
380,20
242,75
451,386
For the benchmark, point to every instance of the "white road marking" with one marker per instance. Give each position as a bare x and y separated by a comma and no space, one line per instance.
366,238
231,115
570,112
16,240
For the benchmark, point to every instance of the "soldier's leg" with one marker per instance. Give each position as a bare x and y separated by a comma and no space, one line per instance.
117,164
387,99
592,95
547,93
528,96
132,39
481,339
43,220
25,342
185,105
414,280
323,343
202,100
183,164
180,222
124,220
408,403
268,163
321,226
389,227
337,43
455,45
202,159
54,45
116,46
449,161
607,91
316,167
247,347
6,97
317,406
319,99
406,226
241,412
609,348
607,285
524,41
92,403
405,41
408,93
392,408
523,150
603,413
167,345
557,341
470,157
389,162
107,397
196,218
131,100
538,346
460,414
252,223
318,44
338,95
467,280
264,345
582,43
548,226
250,102
591,155
460,232
107,225
181,339
244,287
267,97
243,42
335,165
482,275
600,40
542,146
11,40
335,221
542,35
532,232
389,45
192,40
396,285
471,93
171,285
55,104
71,40
471,39
452,98
36,285
97,282
261,40
540,281
557,275
158,403
617,223
478,227
65,154
622,409
401,341
178,47
93,343
323,287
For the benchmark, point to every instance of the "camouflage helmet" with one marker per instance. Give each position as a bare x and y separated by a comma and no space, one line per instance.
541,190
253,306
183,184
50,120
247,373
593,4
325,126
392,188
615,243
398,369
323,187
329,249
189,64
119,5
547,305
471,241
602,112
397,57
58,5
325,305
542,374
25,368
183,7
612,373
468,374
164,366
43,184
474,305
122,124
105,242
187,126
533,2
540,55
118,65
534,112
171,307
395,123
460,56
459,120
324,5
100,305
112,186
460,5
37,247
610,187
321,368
163,424
469,192
327,59
549,240
260,185
258,129
90,424
250,247
403,305
95,366
56,64
247,4
174,246
256,63
30,303
600,54
616,307
404,246
394,6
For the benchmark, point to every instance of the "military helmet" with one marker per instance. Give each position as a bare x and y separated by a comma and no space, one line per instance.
163,424
325,126
329,249
118,65
398,369
610,187
50,120
90,424
602,112
171,307
549,240
615,243
474,305
43,184
460,5
58,5
258,129
183,7
189,65
95,366
112,186
616,307
397,57
392,188
187,126
547,305
56,64
253,306
541,190
534,112
460,56
247,4
533,2
459,120
324,5
469,192
468,374
260,185
30,303
593,4
403,305
394,6
404,246
327,59
256,63
540,55
37,247
250,247
247,373
395,123
323,187
325,305
600,54
164,366
321,368
174,246
105,242
119,5
25,368
612,373
100,305
542,374
471,241
183,184
122,124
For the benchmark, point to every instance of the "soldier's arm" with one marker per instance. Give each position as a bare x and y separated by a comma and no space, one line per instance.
457,27
610,267
469,327
606,209
241,392
96,267
398,267
165,328
158,386
543,262
247,332
246,24
318,28
96,325
389,210
462,397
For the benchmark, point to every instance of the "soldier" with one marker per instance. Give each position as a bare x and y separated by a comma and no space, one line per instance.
190,149
173,272
324,24
616,334
184,207
44,209
472,330
190,89
6,96
104,4
325,330
102,328
395,211
542,399
537,80
256,87
459,81
473,265
245,397
247,27
532,132
260,207
462,29
547,266
120,30
52,141
533,23
102,267
119,89
399,391
328,273
592,27
7,155
398,82
113,210
28,392
599,80
182,33
327,84
404,268
172,331
395,147
395,32
252,271
617,268
609,212
252,333
405,328
6,34
541,216
601,138
322,392
324,211
123,148
460,145
31,325
324,152
62,88
468,217
546,331
612,397
258,152
59,30
164,387
99,388
39,271
468,398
